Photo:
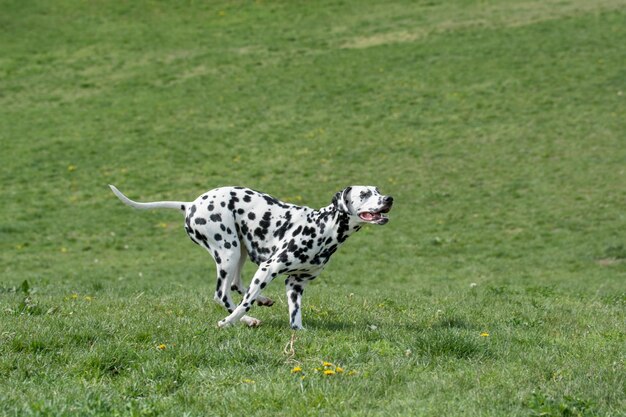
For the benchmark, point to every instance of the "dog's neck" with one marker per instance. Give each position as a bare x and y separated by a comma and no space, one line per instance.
336,223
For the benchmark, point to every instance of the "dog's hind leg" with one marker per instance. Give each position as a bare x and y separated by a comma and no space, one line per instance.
267,271
225,273
228,264
238,286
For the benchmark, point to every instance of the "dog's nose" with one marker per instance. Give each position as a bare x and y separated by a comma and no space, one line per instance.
388,200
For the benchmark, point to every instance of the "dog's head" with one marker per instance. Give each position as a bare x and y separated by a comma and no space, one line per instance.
365,203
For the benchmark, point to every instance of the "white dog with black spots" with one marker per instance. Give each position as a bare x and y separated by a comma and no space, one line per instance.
282,239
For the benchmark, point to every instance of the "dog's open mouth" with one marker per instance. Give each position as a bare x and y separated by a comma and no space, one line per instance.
377,217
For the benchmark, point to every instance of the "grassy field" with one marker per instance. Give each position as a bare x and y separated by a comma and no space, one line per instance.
497,289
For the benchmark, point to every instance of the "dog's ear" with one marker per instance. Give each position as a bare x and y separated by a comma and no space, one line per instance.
341,200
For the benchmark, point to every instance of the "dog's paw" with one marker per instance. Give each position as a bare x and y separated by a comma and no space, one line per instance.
224,323
264,301
250,321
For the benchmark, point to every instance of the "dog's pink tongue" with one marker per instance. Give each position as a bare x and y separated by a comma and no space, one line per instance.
367,216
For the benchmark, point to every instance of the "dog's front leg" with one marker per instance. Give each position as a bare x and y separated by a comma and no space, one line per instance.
295,287
264,275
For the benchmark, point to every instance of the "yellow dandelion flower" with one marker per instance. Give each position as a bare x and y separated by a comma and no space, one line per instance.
339,370
329,372
248,381
74,296
88,298
296,370
71,168
161,347
352,373
327,364
484,334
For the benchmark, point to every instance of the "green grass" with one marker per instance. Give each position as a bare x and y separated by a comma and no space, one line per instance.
498,126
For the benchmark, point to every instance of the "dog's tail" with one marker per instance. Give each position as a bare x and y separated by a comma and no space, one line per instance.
178,205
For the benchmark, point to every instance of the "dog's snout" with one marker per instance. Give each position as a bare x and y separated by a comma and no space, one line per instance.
388,200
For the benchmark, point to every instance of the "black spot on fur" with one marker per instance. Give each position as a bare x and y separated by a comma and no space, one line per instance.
270,200
260,233
343,228
280,232
265,223
200,237
244,228
200,220
232,201
283,257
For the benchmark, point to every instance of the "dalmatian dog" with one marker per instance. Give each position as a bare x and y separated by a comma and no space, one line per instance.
233,223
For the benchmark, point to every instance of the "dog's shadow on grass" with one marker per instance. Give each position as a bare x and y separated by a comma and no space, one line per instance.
311,324
450,337
317,324
345,326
